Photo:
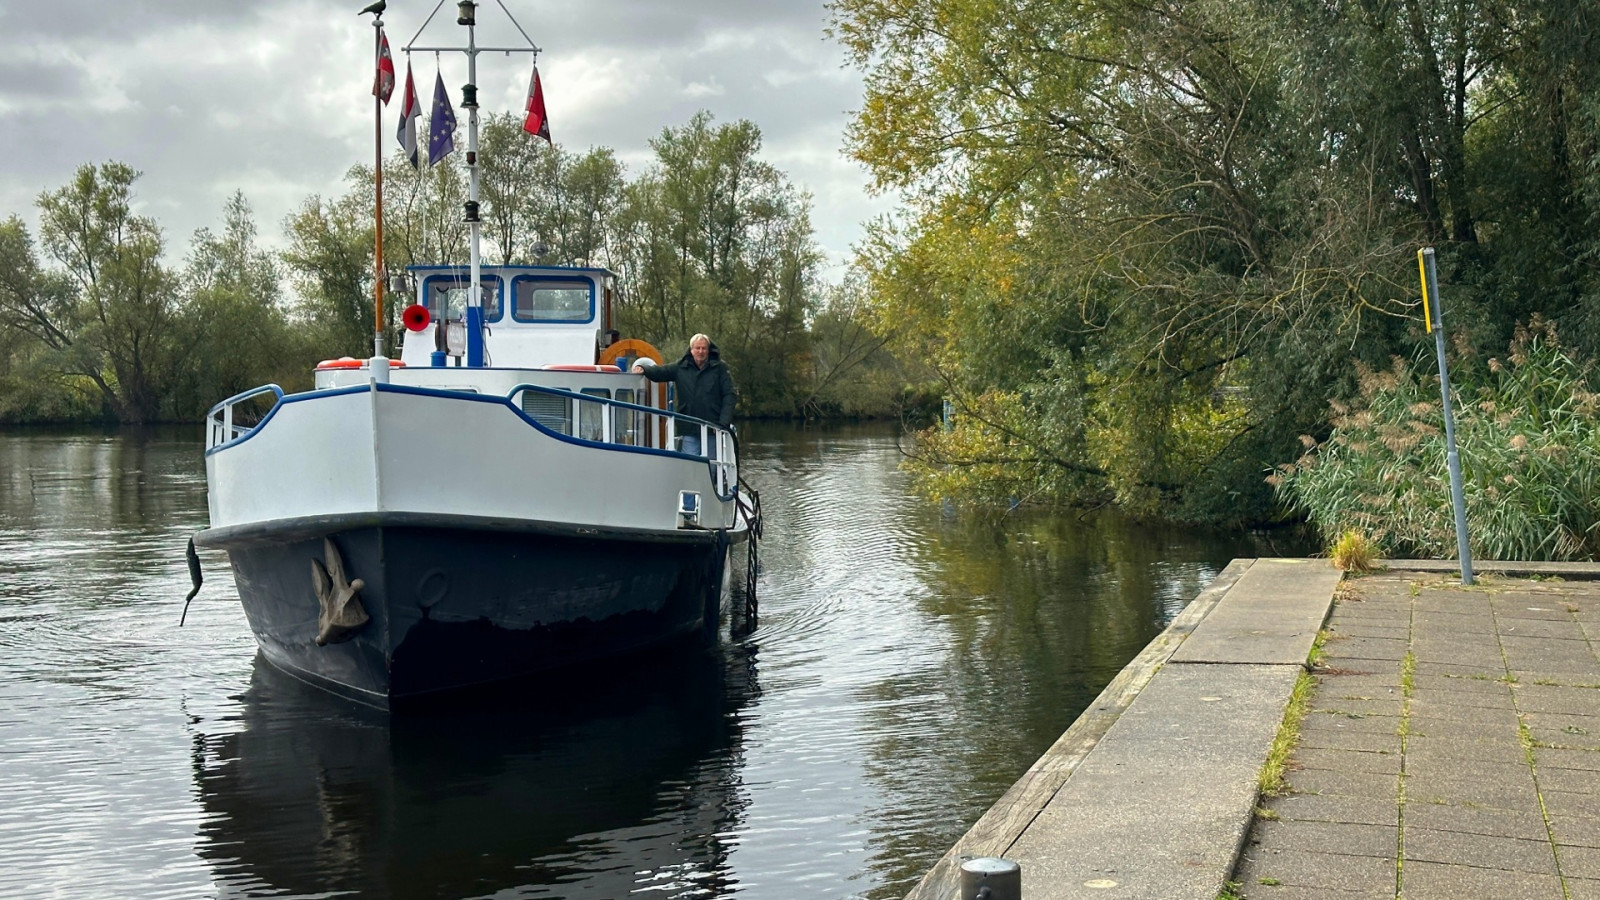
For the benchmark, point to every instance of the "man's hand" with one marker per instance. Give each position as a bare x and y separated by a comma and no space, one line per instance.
638,368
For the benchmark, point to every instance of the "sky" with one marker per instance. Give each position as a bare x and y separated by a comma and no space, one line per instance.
273,97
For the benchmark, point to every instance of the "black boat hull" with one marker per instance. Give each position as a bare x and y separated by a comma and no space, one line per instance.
454,607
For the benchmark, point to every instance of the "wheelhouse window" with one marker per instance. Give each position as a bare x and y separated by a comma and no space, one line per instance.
552,300
447,297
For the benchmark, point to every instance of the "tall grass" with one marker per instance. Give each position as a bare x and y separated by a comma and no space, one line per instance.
1529,444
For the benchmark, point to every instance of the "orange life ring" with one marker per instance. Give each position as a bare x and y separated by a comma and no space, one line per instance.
631,347
350,362
581,368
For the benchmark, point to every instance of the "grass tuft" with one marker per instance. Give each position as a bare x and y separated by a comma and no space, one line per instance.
1272,782
1353,552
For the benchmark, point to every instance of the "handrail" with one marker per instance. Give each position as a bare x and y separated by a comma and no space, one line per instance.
220,427
724,460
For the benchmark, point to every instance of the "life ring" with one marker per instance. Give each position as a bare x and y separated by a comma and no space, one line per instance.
631,347
581,368
350,362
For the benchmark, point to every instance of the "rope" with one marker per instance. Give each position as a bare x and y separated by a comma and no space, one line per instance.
752,516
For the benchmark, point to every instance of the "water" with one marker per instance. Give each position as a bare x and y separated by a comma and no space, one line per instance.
909,665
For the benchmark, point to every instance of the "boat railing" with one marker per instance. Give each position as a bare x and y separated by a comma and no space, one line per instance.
230,420
600,418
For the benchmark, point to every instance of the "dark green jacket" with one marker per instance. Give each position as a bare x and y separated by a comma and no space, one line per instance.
703,393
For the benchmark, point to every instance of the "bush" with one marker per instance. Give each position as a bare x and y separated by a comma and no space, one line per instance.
1529,449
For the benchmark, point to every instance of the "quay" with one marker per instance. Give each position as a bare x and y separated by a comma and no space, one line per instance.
1447,746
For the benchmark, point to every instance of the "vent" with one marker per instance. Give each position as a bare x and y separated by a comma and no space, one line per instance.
548,410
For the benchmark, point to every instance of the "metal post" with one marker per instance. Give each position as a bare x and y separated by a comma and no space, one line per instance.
991,878
1433,317
475,295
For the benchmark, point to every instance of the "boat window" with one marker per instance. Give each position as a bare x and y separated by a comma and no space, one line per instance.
625,423
592,415
447,297
547,300
548,410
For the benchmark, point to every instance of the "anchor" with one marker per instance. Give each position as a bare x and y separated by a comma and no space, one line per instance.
342,613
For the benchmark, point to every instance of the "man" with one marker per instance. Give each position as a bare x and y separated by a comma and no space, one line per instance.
705,388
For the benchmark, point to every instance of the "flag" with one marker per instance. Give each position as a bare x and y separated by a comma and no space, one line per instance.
410,108
441,124
383,83
536,124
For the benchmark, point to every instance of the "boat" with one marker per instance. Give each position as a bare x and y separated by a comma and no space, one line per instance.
501,500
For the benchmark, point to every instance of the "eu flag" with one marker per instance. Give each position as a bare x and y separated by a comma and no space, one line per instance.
441,124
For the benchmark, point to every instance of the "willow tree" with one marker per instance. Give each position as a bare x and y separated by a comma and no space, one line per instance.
1145,243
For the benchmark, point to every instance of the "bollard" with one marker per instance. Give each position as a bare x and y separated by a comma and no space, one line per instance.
991,878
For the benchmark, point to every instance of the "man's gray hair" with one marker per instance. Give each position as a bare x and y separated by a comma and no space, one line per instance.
699,337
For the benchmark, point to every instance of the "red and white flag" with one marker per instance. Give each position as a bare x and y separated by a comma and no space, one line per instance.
537,123
383,84
410,109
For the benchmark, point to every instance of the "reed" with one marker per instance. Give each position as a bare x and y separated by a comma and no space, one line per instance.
1529,444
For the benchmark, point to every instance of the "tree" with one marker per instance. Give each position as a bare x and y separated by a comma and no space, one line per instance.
712,239
122,340
235,328
1159,210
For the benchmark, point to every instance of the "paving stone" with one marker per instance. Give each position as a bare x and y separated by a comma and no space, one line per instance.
1388,649
1433,623
1572,781
1437,881
1580,862
1425,710
1341,683
1547,758
1465,670
1513,609
1440,766
1488,851
1298,868
1468,790
1570,803
1565,629
1333,737
1575,732
1347,760
1583,889
1326,837
1272,891
1358,706
1466,732
1574,830
1527,825
1335,808
1343,626
1427,685
1338,720
1349,784
1583,701
1497,748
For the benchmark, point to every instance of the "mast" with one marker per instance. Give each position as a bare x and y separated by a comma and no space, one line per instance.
466,14
377,168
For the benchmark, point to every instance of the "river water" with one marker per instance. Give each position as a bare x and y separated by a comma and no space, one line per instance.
910,663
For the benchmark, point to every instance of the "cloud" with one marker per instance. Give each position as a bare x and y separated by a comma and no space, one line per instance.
273,97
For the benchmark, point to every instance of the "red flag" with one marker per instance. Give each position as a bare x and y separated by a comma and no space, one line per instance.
537,123
383,84
410,109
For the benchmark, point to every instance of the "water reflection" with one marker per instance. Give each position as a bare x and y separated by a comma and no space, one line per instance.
614,782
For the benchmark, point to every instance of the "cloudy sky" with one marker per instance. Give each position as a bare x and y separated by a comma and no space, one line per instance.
271,97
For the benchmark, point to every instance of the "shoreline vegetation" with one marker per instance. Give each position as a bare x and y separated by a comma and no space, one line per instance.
1156,258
